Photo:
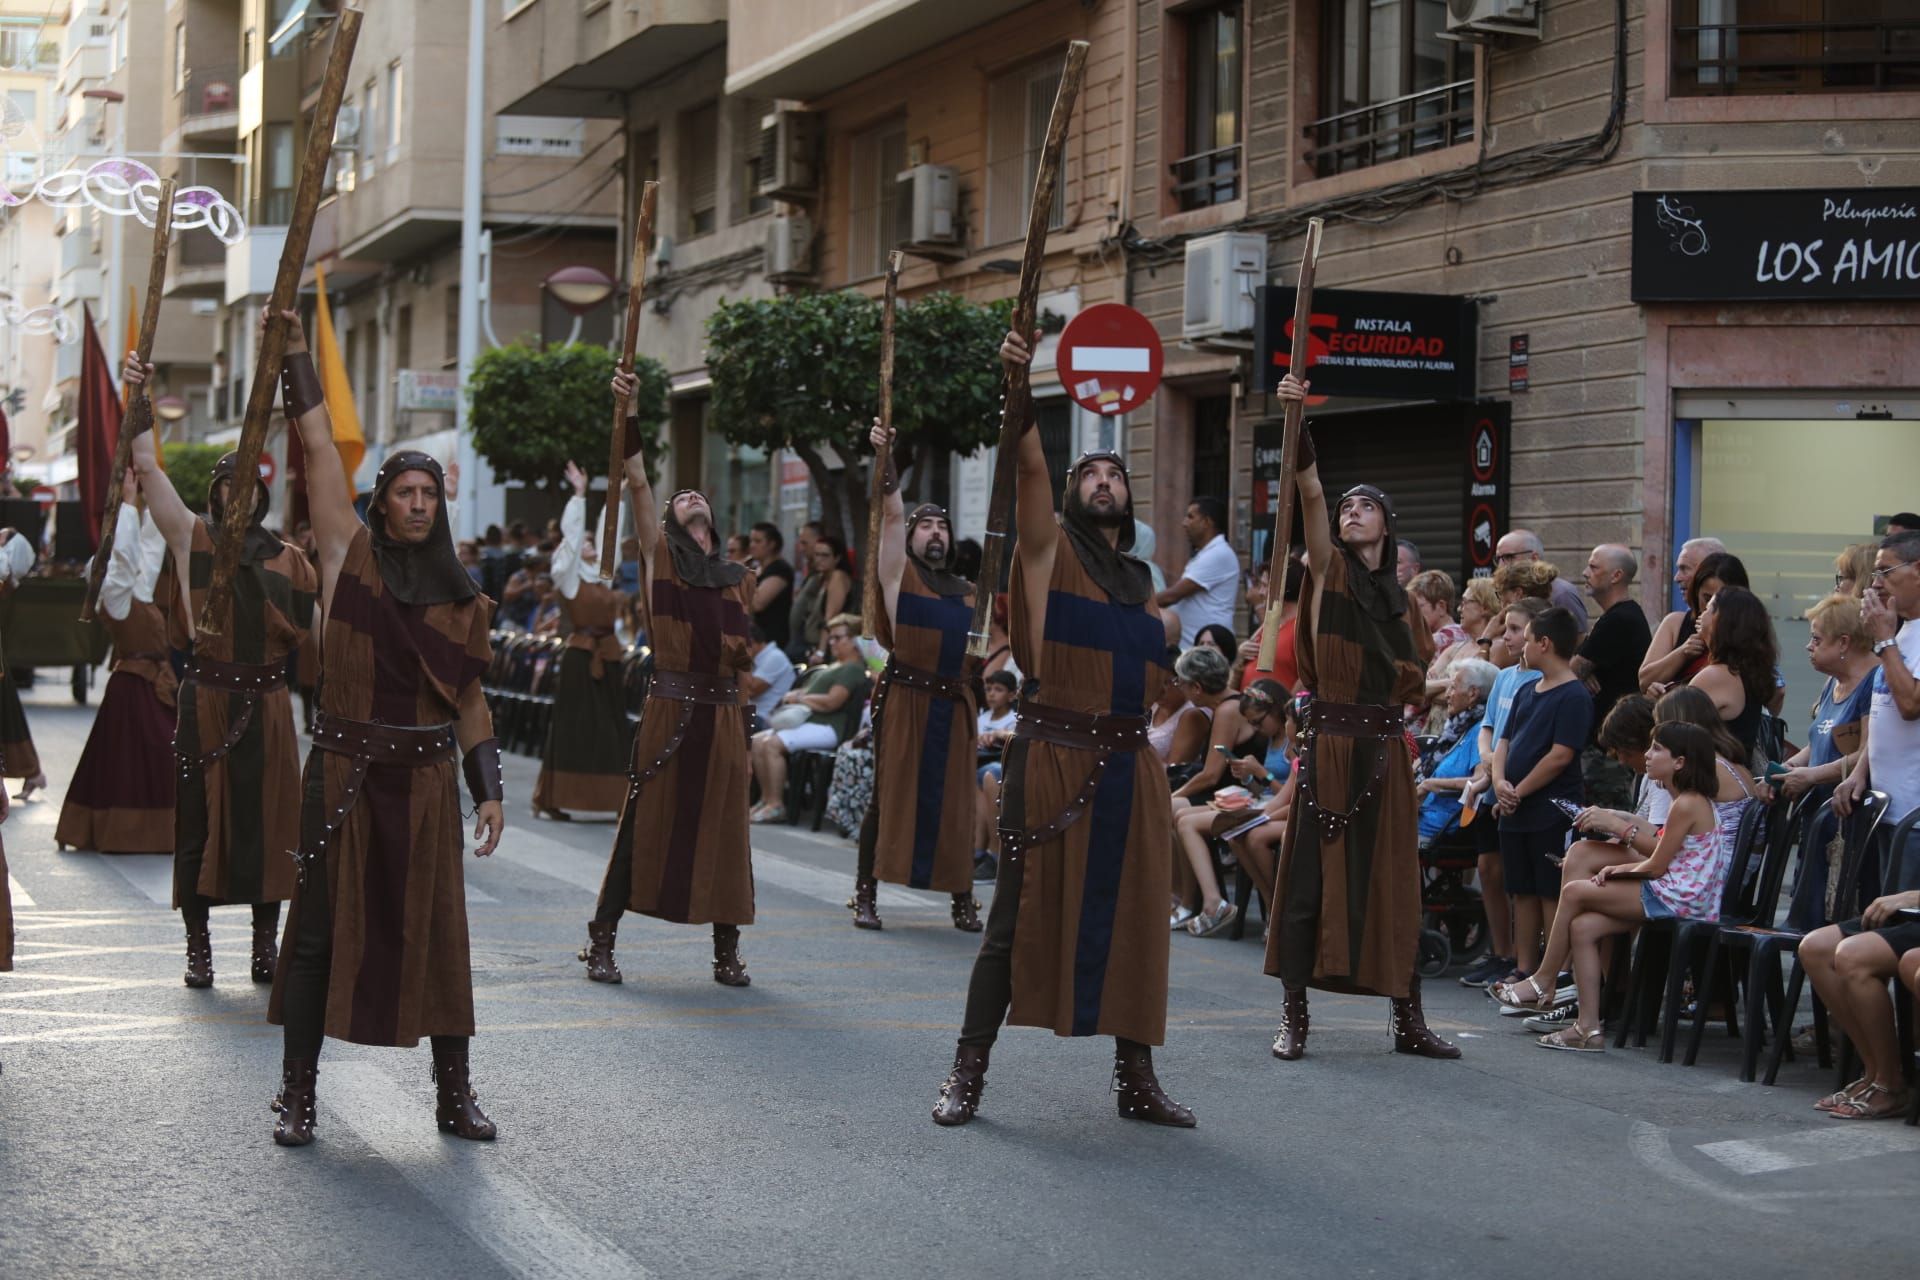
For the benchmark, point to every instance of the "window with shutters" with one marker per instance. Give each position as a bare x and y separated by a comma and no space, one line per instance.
749,166
879,155
1019,105
1208,171
699,170
369,128
1053,419
1391,84
1212,447
1725,47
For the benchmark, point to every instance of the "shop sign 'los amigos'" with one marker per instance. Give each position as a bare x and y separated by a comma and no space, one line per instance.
1716,246
1382,346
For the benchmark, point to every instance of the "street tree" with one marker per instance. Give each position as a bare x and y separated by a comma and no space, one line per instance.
534,408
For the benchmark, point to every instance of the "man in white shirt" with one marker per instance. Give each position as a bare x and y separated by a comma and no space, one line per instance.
1209,586
772,674
1890,612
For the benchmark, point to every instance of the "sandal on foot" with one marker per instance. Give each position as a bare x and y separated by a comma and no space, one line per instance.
771,813
1874,1102
1575,1039
1511,994
1840,1097
1208,923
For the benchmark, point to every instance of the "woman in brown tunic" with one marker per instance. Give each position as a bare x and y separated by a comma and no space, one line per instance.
681,853
236,804
1076,938
924,715
18,759
1349,881
121,797
589,738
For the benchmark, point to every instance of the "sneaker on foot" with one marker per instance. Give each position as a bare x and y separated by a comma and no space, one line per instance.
1560,1017
1490,969
986,867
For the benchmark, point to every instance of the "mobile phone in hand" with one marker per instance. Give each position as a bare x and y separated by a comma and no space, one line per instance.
1569,808
1223,749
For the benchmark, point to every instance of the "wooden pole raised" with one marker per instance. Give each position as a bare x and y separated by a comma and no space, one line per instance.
1289,451
273,340
617,451
870,599
136,415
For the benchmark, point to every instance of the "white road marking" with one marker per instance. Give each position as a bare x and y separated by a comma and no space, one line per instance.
1650,1147
530,1232
479,897
18,891
1844,1141
554,858
150,873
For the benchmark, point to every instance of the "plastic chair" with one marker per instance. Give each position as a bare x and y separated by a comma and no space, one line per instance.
1858,830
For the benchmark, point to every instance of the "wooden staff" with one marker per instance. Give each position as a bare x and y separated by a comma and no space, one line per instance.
870,599
617,451
1289,450
1016,412
273,342
137,414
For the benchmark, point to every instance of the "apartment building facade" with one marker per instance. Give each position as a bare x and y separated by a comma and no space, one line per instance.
29,57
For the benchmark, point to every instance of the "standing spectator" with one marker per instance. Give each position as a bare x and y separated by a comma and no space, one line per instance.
772,675
1890,612
1665,661
1537,762
1609,662
1208,587
1523,545
1853,568
1407,565
1740,662
1285,670
831,574
1145,543
1218,638
1905,522
737,549
773,590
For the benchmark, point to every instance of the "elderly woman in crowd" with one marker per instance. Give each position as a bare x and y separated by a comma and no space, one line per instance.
1447,767
1266,709
1480,609
1842,651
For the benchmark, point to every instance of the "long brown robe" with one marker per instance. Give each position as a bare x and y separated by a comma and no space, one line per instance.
589,738
1090,943
1349,906
686,822
121,798
237,814
18,758
400,963
6,914
924,755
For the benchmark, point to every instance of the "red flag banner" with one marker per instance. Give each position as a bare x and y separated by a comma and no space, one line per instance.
98,429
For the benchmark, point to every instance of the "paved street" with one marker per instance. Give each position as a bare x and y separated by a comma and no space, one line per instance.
670,1127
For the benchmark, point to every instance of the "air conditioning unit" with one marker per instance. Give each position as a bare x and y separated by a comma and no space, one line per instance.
1478,19
789,248
346,128
1223,272
789,155
925,199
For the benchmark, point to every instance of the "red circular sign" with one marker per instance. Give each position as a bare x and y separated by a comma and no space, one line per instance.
45,495
1110,359
266,467
1483,532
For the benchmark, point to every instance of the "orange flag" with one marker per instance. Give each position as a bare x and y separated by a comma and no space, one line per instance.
347,436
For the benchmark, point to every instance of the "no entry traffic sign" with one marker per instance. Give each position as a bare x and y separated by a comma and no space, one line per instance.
1110,358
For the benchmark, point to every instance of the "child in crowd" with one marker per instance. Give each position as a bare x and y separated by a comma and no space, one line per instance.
1536,763
1680,875
995,731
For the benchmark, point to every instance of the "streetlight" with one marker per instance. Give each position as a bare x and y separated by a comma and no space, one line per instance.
579,290
169,409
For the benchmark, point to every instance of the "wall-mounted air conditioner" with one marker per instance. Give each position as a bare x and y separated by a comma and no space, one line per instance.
925,200
1223,272
789,155
789,248
1478,19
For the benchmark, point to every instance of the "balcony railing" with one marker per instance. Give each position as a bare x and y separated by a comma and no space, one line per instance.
1392,130
210,91
1796,57
1207,179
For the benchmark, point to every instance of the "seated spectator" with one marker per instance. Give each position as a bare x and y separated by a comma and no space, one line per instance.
996,720
1271,708
1480,611
1522,546
772,676
1739,675
1842,651
851,791
1431,595
518,600
1670,653
1681,872
1195,825
1202,676
1218,638
1853,569
995,730
1849,964
546,610
1450,765
1177,727
832,698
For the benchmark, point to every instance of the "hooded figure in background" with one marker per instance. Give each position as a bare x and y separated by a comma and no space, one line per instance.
17,558
1348,898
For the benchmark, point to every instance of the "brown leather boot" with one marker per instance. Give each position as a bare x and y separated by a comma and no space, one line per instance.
1137,1089
199,957
729,970
1291,1040
598,952
459,1110
295,1103
266,952
966,913
865,914
1410,1033
960,1095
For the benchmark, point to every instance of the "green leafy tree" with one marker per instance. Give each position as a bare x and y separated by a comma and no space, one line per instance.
533,408
802,372
190,469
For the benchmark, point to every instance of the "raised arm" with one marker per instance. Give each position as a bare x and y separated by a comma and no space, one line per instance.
1316,527
1883,624
123,567
568,558
892,551
169,513
1033,495
646,507
329,489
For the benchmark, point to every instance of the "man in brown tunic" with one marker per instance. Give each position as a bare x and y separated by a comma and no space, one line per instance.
1076,939
681,853
916,831
236,798
1348,896
378,950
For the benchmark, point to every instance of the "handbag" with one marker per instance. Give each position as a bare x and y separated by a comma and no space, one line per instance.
791,716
